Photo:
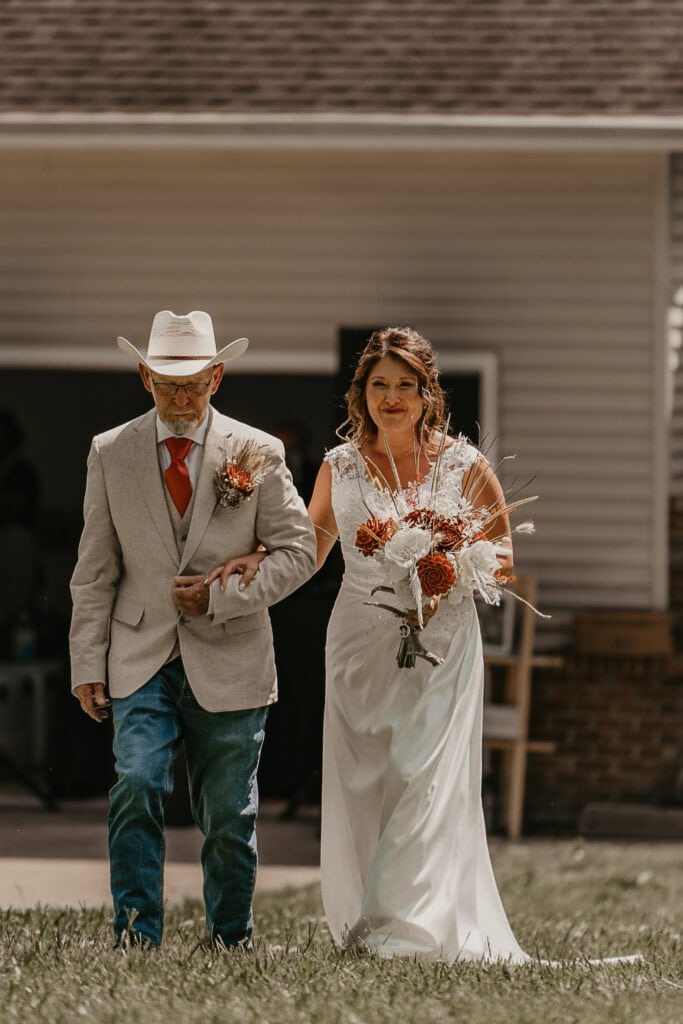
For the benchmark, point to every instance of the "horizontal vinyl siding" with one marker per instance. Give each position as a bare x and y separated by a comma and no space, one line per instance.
546,260
676,283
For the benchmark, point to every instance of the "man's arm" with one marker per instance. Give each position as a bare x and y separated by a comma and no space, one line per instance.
94,581
285,530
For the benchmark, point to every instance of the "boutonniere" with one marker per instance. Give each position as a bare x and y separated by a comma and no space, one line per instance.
240,471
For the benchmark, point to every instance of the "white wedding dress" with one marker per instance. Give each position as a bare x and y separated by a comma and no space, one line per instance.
404,860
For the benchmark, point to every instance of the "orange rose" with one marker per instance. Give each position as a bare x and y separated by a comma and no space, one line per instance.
420,517
436,573
451,530
373,534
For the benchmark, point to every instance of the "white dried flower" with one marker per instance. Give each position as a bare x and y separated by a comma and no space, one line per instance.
477,561
525,528
408,545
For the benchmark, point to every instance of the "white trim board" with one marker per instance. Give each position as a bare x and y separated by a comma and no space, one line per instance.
300,361
320,130
485,363
661,402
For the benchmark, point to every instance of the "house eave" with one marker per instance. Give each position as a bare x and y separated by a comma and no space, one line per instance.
331,130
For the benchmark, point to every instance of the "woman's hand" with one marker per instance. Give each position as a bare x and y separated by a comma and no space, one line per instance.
246,565
428,612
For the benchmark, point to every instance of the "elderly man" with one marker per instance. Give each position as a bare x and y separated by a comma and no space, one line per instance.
169,495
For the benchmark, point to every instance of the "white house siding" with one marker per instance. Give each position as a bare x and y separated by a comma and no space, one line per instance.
677,322
555,262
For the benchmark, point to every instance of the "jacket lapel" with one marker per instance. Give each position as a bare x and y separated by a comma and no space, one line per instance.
206,498
146,465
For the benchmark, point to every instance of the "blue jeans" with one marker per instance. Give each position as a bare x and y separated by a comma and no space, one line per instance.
223,750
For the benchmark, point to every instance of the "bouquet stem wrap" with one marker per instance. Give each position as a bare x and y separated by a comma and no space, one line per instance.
411,648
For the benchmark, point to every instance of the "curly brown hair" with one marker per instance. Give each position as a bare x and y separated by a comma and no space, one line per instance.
407,346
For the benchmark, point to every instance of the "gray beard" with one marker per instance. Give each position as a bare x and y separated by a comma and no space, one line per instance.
180,427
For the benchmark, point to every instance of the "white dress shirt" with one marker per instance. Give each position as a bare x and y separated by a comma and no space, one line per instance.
193,459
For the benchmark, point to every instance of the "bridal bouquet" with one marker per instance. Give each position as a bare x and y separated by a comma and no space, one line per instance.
435,544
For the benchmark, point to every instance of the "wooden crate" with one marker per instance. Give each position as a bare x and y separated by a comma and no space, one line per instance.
640,634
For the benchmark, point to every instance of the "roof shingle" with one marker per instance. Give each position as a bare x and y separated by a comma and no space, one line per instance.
571,57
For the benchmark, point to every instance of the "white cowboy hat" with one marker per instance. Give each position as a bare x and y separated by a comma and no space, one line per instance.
180,346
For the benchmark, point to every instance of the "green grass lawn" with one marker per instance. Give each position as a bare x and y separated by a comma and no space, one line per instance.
565,900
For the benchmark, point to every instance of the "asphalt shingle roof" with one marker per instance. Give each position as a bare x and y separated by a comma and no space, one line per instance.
571,57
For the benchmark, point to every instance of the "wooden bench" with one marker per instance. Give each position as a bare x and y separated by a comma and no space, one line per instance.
506,724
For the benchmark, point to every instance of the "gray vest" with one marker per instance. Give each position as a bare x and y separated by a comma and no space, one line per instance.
180,524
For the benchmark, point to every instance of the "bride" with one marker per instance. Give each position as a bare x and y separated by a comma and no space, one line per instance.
405,866
404,859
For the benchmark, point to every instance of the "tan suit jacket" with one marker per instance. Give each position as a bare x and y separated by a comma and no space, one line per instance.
125,624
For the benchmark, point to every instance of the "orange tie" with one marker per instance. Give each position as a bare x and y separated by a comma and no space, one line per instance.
177,475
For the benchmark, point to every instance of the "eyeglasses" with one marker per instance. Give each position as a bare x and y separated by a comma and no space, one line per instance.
169,390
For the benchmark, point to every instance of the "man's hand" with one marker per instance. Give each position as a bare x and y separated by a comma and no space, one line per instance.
247,566
93,700
191,595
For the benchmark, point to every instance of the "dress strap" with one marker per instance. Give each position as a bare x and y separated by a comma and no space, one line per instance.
344,462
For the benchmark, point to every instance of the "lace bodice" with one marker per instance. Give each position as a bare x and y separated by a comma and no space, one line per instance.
355,498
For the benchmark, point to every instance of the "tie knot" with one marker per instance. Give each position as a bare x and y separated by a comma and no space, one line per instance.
178,447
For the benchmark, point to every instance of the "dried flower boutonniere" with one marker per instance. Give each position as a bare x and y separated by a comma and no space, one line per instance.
240,471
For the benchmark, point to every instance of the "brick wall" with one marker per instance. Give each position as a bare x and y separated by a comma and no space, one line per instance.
619,734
